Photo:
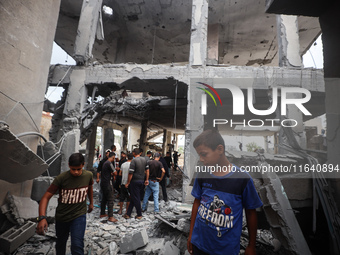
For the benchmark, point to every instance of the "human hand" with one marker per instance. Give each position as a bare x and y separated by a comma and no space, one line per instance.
189,245
97,180
127,185
90,208
250,250
158,179
146,183
42,227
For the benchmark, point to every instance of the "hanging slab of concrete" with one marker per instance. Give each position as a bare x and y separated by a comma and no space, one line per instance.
18,162
312,8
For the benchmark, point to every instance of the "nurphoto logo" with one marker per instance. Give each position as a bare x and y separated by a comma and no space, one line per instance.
238,99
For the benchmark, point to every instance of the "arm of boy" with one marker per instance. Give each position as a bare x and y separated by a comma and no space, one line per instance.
42,225
192,223
252,230
90,195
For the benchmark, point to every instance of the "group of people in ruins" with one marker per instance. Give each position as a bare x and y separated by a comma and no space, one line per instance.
217,211
134,178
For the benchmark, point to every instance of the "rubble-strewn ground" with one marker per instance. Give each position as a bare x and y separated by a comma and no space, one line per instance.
164,233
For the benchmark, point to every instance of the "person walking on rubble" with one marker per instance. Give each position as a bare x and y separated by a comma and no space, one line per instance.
220,197
139,169
107,188
70,216
156,174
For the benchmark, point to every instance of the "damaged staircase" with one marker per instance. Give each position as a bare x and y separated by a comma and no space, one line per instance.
23,163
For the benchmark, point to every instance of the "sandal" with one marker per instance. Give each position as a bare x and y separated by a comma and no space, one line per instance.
138,217
125,216
112,219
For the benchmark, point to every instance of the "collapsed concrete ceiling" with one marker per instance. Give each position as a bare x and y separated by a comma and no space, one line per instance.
158,31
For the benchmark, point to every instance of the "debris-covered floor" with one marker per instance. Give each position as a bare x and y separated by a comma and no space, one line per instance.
163,233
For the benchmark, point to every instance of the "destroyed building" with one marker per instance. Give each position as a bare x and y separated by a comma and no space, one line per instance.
142,68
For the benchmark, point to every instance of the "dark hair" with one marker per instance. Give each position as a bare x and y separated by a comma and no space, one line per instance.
130,156
136,151
149,152
111,154
210,138
76,159
122,152
113,147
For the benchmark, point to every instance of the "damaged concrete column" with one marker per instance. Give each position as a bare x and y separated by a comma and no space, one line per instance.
289,56
195,121
75,101
164,145
195,125
288,39
108,138
330,25
213,38
125,138
199,27
143,135
87,27
90,147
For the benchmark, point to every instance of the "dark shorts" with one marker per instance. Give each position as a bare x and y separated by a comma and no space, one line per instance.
124,194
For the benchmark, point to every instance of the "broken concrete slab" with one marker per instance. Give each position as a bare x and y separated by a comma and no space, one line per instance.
280,215
19,209
171,249
114,248
14,237
154,246
183,225
15,156
132,242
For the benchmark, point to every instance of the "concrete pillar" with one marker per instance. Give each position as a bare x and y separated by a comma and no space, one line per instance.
108,139
289,56
213,38
195,125
288,39
87,27
143,135
168,141
74,104
25,56
199,27
164,145
90,148
125,138
330,25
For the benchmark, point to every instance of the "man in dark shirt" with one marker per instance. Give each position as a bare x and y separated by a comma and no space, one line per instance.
168,160
156,174
176,156
139,169
163,181
106,186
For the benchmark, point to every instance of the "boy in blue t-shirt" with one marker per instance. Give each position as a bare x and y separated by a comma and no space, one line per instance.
220,197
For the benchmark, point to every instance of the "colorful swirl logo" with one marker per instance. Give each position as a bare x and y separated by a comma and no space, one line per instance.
204,97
